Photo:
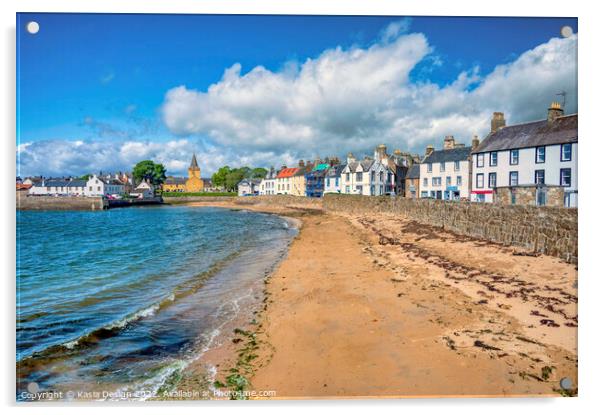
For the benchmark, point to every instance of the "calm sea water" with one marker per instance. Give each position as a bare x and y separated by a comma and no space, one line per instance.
122,299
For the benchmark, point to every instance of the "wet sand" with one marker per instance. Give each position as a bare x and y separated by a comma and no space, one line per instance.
367,306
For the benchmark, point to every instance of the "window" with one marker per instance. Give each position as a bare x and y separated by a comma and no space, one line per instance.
347,174
448,181
566,152
358,189
540,155
480,198
436,181
441,166
346,189
480,180
513,157
99,188
328,182
429,167
456,165
425,182
359,176
459,181
565,177
513,178
493,158
492,180
372,190
540,177
480,159
381,176
373,175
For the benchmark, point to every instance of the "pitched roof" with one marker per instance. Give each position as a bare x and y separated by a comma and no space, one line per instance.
175,180
193,163
336,171
288,172
77,183
366,164
453,154
532,134
322,166
414,172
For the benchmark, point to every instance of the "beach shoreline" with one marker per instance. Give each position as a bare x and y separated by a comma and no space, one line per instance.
379,306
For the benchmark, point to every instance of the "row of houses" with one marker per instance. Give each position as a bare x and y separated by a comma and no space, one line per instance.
533,163
97,185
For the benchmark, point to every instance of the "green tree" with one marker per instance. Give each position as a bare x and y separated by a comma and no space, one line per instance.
219,177
85,177
234,177
149,170
258,173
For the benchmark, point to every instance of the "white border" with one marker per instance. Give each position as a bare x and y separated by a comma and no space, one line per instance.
590,100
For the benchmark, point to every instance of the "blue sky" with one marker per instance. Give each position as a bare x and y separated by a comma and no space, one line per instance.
104,80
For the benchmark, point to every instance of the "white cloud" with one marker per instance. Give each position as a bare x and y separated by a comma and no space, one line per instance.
77,157
352,99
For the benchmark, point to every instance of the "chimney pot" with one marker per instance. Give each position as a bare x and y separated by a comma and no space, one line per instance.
475,142
555,111
449,142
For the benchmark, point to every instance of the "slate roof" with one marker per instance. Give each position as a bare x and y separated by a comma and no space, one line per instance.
532,134
175,180
443,156
336,171
413,172
288,172
193,163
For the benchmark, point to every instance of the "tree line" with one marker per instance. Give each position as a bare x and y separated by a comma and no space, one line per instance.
225,176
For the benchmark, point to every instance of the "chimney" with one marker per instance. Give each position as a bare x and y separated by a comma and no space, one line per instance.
497,121
283,167
555,111
301,163
449,142
475,142
350,158
429,149
380,152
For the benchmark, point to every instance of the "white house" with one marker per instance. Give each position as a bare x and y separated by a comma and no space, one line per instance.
368,177
332,180
268,183
529,157
97,186
445,174
144,190
58,187
248,187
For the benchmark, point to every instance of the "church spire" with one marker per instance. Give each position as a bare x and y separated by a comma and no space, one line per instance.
193,163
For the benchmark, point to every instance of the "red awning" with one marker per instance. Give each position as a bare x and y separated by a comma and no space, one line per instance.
482,192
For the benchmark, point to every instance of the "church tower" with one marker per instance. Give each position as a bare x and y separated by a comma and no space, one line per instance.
194,184
194,170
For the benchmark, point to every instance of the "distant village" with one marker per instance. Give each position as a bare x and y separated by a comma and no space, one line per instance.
533,163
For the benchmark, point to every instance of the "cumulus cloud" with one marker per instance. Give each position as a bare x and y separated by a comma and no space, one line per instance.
78,157
352,99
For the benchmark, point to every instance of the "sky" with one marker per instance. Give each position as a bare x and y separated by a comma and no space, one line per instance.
100,92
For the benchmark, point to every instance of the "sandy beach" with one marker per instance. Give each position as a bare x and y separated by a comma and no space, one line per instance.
381,306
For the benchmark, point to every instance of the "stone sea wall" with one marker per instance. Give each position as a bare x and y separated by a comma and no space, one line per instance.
547,230
25,202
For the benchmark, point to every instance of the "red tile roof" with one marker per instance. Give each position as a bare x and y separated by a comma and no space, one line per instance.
288,172
21,186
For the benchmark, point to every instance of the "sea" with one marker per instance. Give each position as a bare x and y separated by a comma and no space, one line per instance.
118,301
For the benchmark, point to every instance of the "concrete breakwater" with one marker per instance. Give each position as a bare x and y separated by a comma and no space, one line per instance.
547,230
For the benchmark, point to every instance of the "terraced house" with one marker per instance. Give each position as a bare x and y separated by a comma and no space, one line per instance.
367,177
284,180
445,174
533,163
